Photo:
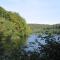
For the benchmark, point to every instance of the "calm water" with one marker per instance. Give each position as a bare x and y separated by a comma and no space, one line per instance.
35,41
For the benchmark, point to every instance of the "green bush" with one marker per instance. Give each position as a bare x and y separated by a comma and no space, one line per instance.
13,32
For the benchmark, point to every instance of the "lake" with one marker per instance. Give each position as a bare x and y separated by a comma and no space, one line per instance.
35,41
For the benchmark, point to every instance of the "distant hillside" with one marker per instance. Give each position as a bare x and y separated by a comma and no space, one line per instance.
45,27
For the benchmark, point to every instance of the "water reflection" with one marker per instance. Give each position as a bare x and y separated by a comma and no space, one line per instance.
41,47
35,41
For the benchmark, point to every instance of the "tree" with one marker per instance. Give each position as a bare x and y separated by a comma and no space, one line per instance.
13,33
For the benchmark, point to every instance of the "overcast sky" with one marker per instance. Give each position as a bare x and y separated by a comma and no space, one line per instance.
35,11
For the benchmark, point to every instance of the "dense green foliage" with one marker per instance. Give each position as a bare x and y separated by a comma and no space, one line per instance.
13,33
41,28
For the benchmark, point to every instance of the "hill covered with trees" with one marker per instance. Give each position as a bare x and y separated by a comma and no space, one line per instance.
41,28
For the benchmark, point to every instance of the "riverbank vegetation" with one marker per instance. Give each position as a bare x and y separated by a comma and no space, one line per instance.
13,33
42,28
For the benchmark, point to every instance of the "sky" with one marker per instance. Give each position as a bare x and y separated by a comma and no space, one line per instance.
35,11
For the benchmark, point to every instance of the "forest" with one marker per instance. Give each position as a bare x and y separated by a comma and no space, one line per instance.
42,28
14,32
